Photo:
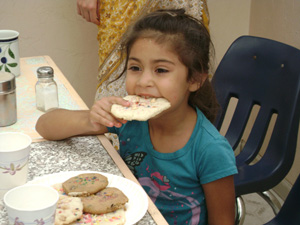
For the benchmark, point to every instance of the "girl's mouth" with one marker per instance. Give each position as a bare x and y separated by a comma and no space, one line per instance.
146,96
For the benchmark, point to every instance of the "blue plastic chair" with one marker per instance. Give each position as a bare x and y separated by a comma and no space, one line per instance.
259,71
289,214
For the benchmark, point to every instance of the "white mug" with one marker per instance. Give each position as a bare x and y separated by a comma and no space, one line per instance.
14,156
9,52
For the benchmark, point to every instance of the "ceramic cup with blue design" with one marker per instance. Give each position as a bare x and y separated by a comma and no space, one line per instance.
9,52
14,156
31,204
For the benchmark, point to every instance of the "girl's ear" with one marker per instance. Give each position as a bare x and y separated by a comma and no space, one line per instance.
196,84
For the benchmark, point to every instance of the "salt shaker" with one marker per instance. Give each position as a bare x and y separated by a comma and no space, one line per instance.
46,89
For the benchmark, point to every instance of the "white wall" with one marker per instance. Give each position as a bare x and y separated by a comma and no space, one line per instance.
229,19
278,20
52,27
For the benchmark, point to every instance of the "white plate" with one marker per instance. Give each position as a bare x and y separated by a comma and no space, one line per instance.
138,200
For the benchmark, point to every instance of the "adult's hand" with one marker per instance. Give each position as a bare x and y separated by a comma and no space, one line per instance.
89,10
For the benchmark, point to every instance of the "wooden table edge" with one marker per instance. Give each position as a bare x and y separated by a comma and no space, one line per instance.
152,209
58,73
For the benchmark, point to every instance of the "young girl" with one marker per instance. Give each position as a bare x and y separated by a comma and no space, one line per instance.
180,159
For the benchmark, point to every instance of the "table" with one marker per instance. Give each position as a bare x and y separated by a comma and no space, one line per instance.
73,154
27,114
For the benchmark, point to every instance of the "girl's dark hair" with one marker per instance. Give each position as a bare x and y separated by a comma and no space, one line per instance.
189,39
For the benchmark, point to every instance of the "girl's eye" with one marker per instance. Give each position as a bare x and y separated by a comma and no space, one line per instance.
160,70
134,68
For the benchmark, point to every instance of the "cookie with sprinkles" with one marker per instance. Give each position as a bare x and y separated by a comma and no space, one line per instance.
68,210
141,109
85,184
58,187
105,201
112,218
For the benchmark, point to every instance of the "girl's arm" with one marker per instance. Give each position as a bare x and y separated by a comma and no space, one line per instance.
220,201
61,123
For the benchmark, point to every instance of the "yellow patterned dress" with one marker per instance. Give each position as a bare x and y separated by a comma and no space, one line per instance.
115,16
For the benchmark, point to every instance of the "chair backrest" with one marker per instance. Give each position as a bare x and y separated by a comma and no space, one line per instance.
259,71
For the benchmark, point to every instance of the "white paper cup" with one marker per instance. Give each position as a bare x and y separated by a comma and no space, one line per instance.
9,52
14,155
31,204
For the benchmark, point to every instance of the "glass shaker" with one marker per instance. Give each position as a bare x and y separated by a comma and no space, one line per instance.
46,89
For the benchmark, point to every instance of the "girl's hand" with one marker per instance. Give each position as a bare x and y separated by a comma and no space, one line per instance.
89,10
100,113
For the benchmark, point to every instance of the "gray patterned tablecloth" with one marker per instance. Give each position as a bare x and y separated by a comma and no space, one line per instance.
73,154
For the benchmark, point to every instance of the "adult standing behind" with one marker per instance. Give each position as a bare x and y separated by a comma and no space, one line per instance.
113,18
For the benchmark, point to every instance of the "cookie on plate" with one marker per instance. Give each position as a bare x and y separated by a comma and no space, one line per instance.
85,184
112,218
141,109
68,210
107,200
58,187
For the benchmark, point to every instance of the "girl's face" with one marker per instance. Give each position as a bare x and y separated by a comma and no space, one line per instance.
153,70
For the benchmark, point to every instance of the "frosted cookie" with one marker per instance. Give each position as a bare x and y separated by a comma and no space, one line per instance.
85,184
112,218
68,210
140,108
108,200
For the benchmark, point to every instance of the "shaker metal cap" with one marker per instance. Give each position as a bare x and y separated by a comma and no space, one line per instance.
45,72
7,82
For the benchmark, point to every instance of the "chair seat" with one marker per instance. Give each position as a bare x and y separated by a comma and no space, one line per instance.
249,180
